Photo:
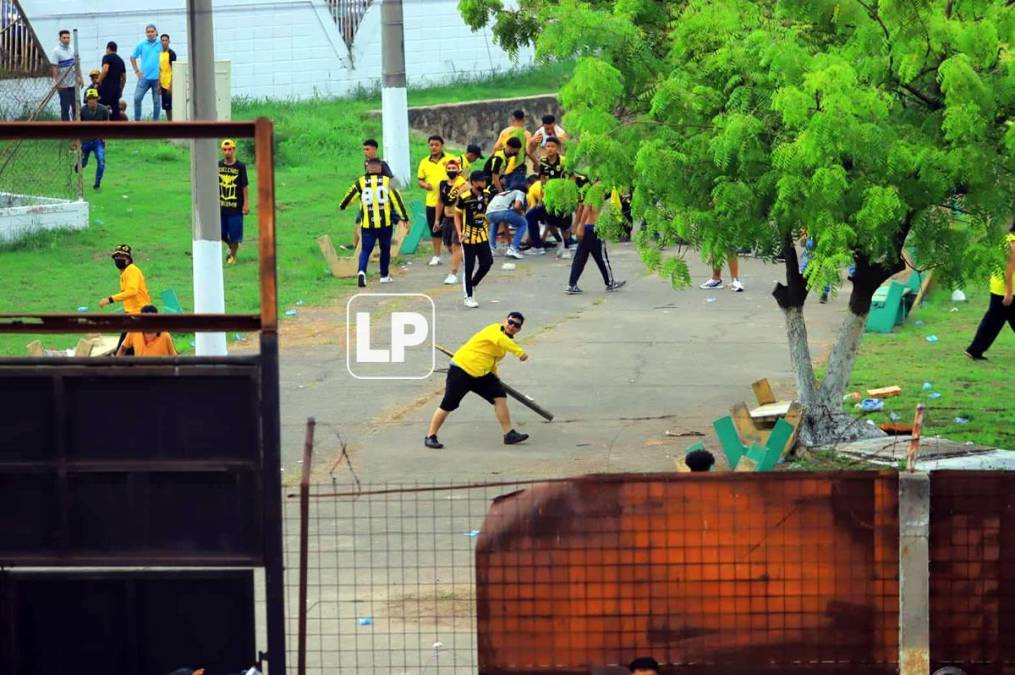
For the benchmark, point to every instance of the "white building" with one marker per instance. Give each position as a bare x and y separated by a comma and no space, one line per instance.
286,49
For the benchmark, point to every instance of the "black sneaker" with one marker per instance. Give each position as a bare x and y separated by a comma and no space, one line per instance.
573,290
96,186
981,357
615,286
361,279
823,299
512,437
432,442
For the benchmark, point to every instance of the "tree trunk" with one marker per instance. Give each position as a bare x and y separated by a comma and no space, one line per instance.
825,422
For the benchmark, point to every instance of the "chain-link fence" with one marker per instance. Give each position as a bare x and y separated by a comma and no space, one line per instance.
31,171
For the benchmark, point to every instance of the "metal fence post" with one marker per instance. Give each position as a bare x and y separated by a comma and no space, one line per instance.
914,574
308,456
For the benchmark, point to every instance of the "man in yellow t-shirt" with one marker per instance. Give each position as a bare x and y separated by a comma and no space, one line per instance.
147,344
1001,309
474,368
166,59
133,288
432,170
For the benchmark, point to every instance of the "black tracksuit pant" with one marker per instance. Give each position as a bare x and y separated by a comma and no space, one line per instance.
590,244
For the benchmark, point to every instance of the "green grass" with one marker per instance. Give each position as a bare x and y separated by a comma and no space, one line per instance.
981,392
145,201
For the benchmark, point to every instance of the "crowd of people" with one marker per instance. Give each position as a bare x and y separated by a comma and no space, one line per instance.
479,207
152,61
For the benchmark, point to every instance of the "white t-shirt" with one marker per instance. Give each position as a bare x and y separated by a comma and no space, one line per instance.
63,58
558,131
505,200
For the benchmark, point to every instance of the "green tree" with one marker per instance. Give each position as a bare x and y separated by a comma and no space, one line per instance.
869,127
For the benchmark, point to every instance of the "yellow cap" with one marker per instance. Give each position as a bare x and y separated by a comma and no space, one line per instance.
95,71
92,93
228,143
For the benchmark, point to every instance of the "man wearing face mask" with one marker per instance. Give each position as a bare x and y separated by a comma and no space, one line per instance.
449,191
133,289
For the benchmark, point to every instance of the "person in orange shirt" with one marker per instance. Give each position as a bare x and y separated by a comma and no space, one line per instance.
133,289
147,344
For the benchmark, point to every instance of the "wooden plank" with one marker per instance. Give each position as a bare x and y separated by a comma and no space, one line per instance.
777,409
924,287
746,464
884,392
763,392
341,268
746,426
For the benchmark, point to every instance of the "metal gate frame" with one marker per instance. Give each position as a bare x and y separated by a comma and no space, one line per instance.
266,323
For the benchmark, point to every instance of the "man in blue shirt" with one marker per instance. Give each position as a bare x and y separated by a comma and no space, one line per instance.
148,51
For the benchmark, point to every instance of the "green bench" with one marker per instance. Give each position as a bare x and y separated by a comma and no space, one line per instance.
764,457
892,303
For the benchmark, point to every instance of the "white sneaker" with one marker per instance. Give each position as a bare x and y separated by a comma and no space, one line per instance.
471,303
736,286
563,254
712,283
386,280
536,251
434,261
451,279
512,253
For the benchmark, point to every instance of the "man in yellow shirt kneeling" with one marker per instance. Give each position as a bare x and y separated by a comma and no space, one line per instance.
474,368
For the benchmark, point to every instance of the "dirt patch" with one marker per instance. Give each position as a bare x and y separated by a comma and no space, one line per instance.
445,606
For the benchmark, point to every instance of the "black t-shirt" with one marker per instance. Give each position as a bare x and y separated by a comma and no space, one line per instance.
473,208
232,180
100,114
385,169
551,170
110,89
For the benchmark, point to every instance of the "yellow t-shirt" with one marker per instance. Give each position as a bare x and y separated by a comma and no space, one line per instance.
165,70
523,134
535,194
480,354
133,290
433,173
997,280
162,345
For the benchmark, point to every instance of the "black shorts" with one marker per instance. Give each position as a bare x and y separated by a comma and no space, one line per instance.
460,383
448,232
431,221
167,99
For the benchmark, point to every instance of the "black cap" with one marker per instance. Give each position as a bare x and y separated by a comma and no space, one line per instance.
475,150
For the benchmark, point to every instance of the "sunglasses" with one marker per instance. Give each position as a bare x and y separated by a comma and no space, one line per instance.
516,324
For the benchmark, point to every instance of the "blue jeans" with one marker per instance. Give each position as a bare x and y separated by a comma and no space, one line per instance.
516,180
98,146
374,235
139,92
508,216
67,99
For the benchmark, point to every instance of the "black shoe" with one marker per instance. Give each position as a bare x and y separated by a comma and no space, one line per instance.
573,290
432,442
615,286
96,186
981,357
361,279
512,437
823,299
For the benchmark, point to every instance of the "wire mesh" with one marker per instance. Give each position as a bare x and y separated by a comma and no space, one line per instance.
972,582
778,571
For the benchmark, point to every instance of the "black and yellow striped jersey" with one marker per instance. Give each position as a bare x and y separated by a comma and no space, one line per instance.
472,205
376,195
548,169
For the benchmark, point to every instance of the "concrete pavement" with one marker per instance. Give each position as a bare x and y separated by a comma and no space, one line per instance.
618,370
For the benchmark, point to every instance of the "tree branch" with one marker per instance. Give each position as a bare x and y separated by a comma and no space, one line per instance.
930,102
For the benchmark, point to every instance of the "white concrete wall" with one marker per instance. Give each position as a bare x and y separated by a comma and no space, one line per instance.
36,214
283,49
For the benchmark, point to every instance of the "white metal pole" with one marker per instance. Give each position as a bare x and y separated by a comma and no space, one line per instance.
394,100
209,291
